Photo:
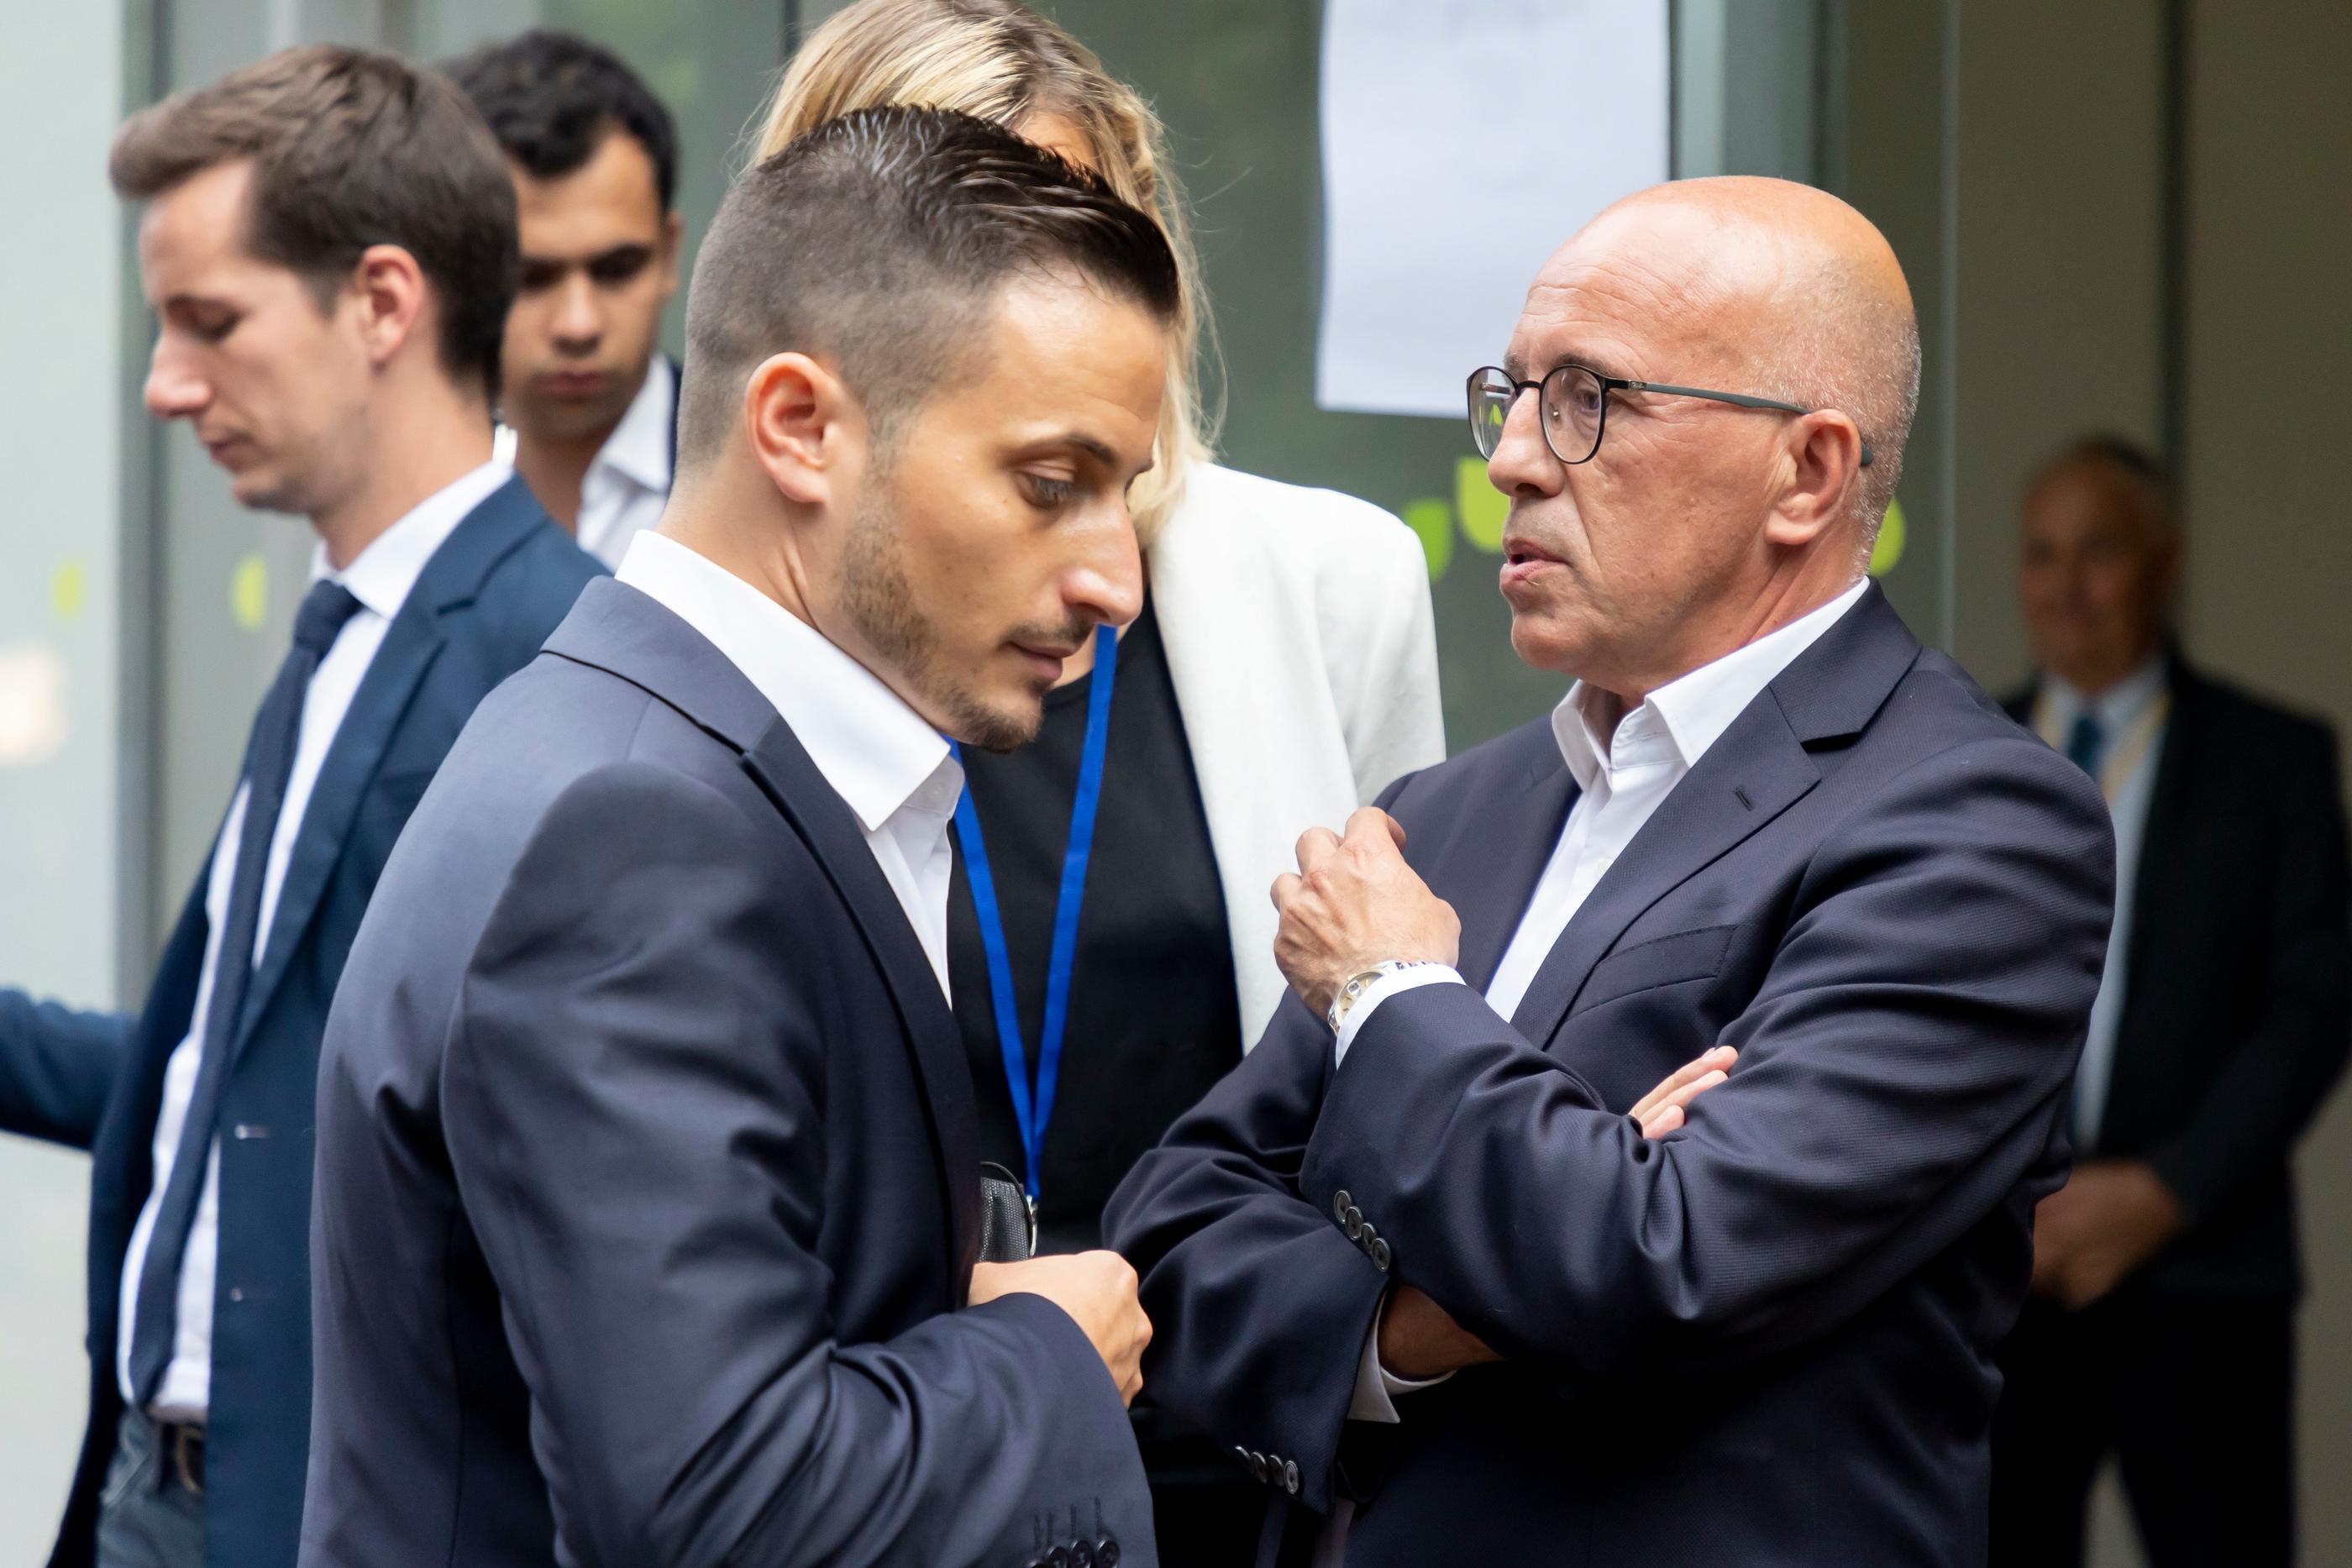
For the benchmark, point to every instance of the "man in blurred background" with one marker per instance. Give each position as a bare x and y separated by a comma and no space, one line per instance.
329,249
2165,1271
595,158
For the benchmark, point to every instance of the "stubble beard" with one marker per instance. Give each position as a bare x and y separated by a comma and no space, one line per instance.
879,601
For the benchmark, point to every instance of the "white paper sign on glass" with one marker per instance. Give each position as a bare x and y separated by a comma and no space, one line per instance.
1462,141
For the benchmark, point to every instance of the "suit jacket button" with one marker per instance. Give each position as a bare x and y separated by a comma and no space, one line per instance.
1082,1554
1340,1204
1381,1254
1258,1465
1107,1553
1290,1476
1059,1557
1353,1223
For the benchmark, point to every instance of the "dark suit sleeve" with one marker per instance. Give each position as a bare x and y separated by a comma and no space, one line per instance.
1901,1070
635,1107
1259,1302
2275,1078
1260,1305
57,1068
1902,1067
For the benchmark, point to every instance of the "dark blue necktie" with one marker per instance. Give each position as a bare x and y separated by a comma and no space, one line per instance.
2087,743
269,763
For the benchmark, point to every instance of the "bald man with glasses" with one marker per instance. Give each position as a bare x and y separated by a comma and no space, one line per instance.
1429,1255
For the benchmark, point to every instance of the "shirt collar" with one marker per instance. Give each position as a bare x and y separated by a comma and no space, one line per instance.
385,573
638,448
877,752
2118,707
1679,721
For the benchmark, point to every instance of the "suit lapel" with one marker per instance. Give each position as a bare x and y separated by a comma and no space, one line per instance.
618,629
823,821
450,580
1223,629
2160,879
409,646
1753,772
1505,846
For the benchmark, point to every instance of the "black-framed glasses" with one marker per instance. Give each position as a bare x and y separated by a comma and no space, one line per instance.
1572,407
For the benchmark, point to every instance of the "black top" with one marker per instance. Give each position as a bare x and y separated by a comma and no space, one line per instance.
1153,1020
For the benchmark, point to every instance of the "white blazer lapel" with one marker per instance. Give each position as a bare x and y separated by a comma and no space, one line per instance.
1240,624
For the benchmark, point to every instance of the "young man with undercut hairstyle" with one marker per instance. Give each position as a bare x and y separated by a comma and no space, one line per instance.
329,247
649,1195
593,405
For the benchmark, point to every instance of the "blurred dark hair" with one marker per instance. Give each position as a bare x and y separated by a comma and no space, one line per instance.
351,148
2118,452
879,238
2119,455
552,97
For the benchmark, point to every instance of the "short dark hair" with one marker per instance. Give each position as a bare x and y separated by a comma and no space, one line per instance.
878,238
552,97
351,148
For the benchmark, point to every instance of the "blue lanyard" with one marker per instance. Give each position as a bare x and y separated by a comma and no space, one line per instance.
1033,1112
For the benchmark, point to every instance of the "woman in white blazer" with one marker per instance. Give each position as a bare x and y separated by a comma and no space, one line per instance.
1298,621
1287,650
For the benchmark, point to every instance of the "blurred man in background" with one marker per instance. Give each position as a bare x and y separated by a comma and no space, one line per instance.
594,156
2165,1271
329,249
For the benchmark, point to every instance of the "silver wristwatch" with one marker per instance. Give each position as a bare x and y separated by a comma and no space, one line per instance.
1352,992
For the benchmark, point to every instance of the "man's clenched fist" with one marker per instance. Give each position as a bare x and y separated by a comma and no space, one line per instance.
1353,902
1096,1289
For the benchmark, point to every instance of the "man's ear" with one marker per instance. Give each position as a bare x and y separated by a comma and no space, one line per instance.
1824,461
803,427
390,286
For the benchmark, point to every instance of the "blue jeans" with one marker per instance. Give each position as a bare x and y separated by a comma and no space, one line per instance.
146,1518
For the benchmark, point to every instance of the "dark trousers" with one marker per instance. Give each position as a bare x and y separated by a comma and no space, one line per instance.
2195,1399
147,1517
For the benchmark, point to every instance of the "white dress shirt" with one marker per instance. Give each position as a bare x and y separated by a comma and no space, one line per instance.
2133,718
381,579
893,769
1623,774
627,483
626,487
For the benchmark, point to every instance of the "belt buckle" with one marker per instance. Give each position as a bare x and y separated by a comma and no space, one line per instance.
187,1445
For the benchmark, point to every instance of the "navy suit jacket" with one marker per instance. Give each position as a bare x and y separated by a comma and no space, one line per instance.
1765,1339
2238,988
649,1176
486,599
